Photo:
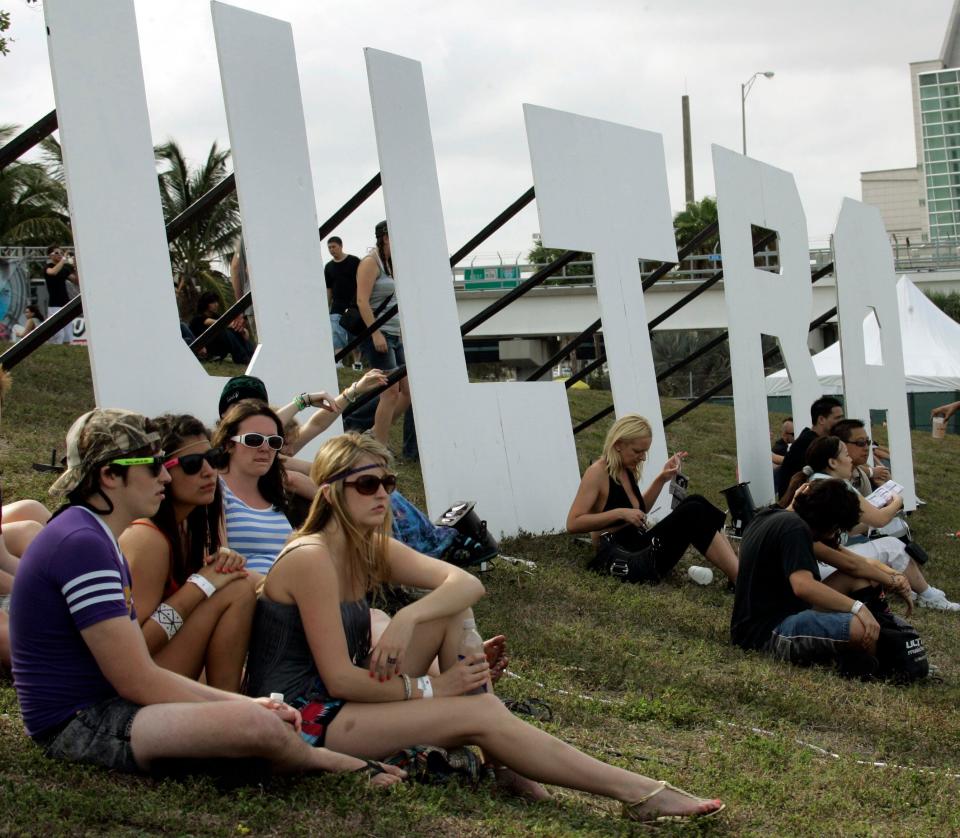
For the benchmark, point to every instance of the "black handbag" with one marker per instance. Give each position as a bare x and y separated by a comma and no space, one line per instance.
901,656
352,321
474,543
635,566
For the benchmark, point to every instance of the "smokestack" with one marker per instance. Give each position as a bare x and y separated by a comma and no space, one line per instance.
687,150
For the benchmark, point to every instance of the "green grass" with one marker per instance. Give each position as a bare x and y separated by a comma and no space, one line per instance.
643,677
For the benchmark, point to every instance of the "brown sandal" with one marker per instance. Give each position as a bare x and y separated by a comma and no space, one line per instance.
631,811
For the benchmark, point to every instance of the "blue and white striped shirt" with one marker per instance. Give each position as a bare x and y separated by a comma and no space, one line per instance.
256,534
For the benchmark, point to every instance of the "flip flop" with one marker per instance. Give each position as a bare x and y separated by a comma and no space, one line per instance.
631,810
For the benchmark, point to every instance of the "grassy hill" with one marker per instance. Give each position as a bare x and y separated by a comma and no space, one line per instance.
640,676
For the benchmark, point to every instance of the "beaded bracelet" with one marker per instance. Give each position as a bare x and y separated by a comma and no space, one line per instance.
346,393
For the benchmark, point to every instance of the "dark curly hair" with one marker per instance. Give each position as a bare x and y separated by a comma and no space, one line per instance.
202,526
827,506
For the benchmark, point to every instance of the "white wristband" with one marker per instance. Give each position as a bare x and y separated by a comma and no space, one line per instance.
855,608
203,584
425,685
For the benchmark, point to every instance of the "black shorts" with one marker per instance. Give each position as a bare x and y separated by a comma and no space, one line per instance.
98,735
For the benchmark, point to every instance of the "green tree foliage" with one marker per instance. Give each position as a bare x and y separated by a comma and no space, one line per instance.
948,303
540,255
211,240
672,346
4,26
690,221
33,204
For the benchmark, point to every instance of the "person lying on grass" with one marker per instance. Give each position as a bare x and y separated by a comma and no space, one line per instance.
828,457
88,688
312,641
610,506
195,587
782,606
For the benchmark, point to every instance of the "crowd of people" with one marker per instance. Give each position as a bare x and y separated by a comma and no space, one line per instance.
178,609
204,594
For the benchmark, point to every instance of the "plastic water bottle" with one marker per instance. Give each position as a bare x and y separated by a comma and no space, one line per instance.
471,644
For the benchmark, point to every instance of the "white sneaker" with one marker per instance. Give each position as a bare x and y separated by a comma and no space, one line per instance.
700,575
938,602
935,592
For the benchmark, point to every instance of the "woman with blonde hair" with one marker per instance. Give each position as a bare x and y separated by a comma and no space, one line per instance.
610,506
311,641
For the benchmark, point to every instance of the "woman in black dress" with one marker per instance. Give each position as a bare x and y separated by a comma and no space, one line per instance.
610,506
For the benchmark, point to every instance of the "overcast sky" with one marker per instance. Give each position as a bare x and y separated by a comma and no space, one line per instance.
838,105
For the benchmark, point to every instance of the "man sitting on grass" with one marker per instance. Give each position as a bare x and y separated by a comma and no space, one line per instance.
781,606
89,690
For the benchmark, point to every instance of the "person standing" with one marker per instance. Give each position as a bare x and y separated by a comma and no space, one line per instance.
340,275
60,270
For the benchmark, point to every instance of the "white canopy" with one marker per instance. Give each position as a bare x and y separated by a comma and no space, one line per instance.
931,349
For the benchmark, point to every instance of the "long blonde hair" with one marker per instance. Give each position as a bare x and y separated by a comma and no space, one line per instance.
366,560
629,426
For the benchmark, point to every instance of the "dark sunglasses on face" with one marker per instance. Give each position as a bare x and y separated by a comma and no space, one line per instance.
154,463
192,463
368,484
251,440
861,443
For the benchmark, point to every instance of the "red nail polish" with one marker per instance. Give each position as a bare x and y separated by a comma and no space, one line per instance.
371,674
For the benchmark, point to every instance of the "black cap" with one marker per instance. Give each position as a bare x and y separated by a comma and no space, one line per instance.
241,387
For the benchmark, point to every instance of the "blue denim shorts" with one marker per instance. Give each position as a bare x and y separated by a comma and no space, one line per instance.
98,735
386,361
341,337
810,637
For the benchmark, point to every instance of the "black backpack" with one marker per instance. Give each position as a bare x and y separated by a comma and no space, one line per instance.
901,656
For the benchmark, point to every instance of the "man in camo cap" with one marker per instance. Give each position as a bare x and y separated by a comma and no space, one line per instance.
99,436
89,690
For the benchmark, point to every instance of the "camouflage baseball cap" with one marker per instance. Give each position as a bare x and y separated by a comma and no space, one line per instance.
99,436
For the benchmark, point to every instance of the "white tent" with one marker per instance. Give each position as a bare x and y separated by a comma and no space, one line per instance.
931,349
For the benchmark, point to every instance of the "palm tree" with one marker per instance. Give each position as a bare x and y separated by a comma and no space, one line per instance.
211,239
33,205
690,221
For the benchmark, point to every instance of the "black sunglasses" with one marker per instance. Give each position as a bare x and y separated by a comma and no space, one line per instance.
192,463
368,484
155,464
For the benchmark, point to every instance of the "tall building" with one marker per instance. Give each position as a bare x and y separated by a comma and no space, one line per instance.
923,202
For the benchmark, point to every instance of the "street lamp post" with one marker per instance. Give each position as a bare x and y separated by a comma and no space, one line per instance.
744,91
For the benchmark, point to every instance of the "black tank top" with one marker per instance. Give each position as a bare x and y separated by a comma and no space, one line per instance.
628,537
280,659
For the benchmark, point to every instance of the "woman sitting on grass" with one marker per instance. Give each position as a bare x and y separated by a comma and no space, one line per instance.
193,602
828,457
254,482
312,643
610,506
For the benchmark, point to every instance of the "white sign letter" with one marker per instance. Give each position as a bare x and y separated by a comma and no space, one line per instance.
866,280
752,193
508,446
602,188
